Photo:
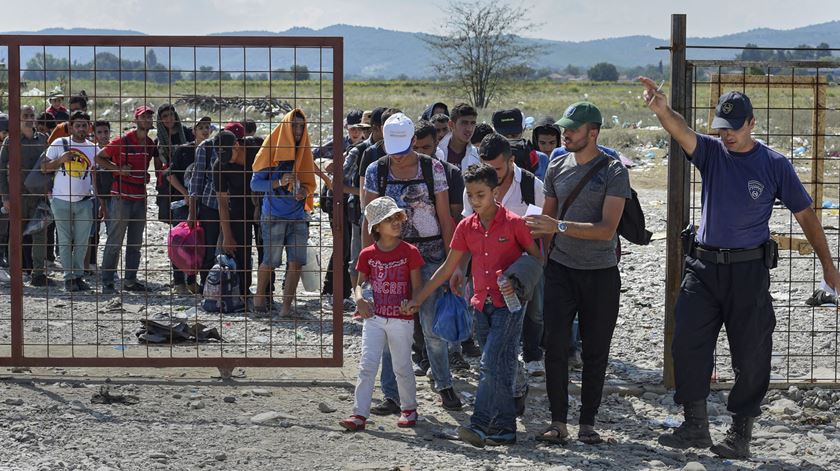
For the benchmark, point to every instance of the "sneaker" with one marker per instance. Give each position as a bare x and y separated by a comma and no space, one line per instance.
136,286
353,423
327,302
473,436
408,418
180,289
470,349
535,368
457,362
81,285
70,285
450,400
41,280
108,288
386,407
500,439
420,369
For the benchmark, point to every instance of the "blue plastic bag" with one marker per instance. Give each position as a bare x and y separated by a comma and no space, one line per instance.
453,321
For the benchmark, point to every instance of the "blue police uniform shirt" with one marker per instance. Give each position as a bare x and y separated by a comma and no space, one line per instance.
739,190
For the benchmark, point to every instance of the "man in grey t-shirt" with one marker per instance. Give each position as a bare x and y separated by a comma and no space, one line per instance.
581,276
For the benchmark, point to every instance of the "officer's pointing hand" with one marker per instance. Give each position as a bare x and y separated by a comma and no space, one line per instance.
655,99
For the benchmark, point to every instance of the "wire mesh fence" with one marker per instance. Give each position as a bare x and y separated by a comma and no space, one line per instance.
795,105
93,278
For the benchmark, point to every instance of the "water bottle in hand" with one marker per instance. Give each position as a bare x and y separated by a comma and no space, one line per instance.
511,301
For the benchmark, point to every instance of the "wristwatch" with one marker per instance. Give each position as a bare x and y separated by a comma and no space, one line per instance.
561,226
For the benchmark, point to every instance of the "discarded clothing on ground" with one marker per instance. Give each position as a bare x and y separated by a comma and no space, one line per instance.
821,297
173,328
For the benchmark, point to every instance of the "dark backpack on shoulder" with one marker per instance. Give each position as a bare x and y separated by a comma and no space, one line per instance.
38,182
425,168
521,150
632,224
526,187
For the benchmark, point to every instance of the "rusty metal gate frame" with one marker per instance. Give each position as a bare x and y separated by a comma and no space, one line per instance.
14,44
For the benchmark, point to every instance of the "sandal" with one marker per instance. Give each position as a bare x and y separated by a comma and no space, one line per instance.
353,423
590,437
561,437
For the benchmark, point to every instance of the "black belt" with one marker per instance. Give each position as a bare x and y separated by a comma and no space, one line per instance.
727,256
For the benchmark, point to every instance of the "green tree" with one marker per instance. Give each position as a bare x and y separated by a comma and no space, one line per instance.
603,72
573,70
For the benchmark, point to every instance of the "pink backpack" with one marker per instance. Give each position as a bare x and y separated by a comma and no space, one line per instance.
186,247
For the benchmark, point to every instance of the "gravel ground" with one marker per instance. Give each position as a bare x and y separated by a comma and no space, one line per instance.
287,418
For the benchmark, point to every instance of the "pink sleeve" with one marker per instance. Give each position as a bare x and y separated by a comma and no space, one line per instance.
459,240
362,266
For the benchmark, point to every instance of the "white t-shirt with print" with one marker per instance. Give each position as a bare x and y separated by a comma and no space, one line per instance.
73,180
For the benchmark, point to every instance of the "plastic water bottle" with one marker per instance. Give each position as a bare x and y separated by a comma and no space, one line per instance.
511,301
367,294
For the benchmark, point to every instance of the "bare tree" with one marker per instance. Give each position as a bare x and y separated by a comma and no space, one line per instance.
478,46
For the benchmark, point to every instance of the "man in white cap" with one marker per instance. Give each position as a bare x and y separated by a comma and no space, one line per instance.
418,184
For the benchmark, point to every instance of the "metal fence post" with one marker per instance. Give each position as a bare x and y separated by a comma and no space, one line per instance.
678,190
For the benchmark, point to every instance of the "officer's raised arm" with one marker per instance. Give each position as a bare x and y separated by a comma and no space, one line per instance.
670,119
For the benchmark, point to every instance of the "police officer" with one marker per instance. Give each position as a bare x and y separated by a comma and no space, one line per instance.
727,267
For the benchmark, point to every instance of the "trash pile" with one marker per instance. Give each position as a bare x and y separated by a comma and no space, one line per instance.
266,106
164,327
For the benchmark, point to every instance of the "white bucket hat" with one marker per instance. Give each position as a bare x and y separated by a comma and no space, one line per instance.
379,210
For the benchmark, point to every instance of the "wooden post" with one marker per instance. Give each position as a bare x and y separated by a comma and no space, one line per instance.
678,191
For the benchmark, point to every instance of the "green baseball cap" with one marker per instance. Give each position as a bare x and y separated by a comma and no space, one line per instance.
578,114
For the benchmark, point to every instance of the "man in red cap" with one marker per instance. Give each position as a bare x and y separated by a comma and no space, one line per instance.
127,157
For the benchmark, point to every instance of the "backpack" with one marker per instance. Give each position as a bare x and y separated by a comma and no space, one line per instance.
221,288
632,223
425,168
38,182
526,187
524,156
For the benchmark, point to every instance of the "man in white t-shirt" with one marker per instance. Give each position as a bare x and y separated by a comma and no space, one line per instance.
72,158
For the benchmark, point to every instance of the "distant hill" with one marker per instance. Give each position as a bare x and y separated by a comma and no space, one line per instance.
381,53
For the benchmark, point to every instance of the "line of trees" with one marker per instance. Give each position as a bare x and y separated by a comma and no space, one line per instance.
108,66
803,52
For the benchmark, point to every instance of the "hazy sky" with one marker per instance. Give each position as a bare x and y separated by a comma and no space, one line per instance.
573,20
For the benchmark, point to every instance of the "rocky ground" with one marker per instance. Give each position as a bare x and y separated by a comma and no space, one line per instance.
52,418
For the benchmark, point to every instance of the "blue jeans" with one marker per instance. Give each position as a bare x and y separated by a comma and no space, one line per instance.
532,325
498,332
436,347
124,217
72,221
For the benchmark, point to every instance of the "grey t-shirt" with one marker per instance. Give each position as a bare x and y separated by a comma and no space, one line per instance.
561,178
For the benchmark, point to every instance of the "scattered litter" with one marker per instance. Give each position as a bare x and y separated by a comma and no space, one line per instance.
164,327
121,347
446,434
105,396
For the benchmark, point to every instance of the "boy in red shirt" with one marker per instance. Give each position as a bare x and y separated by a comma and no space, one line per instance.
389,271
495,238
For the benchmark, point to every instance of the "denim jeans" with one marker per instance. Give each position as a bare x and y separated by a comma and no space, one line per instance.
498,332
532,325
125,217
72,221
436,347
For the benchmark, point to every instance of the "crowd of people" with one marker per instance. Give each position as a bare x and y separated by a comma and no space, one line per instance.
440,204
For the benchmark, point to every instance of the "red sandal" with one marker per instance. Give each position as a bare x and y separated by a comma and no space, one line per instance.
353,423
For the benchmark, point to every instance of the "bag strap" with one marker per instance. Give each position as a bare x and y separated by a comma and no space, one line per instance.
582,183
526,187
381,175
428,175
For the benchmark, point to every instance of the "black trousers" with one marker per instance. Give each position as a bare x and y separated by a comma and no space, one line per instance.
242,232
345,250
594,296
209,219
737,296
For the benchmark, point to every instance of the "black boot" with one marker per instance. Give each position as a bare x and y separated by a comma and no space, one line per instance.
694,431
736,445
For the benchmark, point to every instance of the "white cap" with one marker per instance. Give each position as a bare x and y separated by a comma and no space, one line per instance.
398,133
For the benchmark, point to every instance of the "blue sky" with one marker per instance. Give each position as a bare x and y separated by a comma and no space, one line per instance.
573,20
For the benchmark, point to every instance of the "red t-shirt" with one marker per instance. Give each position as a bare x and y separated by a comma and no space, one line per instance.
128,150
492,249
389,274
